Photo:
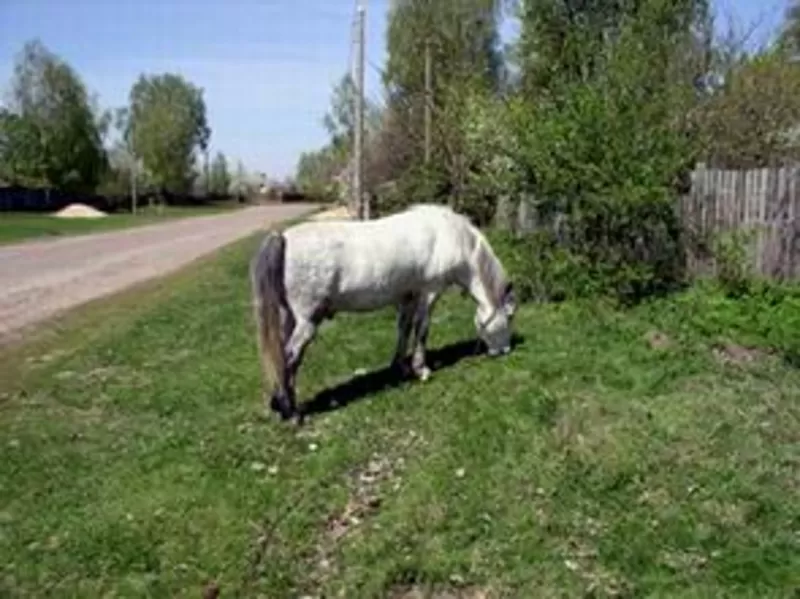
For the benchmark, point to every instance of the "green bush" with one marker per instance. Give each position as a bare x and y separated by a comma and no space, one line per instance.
604,153
599,150
766,315
627,249
419,184
734,269
540,269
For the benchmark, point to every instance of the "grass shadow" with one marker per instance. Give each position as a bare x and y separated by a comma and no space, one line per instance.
362,386
791,358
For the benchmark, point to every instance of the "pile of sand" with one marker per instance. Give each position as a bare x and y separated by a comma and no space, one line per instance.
79,211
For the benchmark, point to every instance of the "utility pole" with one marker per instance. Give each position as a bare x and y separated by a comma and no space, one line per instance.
428,100
359,202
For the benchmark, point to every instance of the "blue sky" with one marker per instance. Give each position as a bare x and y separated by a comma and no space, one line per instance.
267,66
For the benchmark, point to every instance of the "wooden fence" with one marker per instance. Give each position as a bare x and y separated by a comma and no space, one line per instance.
761,204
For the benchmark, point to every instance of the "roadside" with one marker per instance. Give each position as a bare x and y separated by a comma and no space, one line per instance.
16,227
38,280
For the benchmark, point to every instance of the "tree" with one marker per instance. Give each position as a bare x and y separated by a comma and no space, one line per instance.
241,184
219,177
462,40
789,38
166,125
340,119
316,171
568,41
463,37
21,158
51,133
753,120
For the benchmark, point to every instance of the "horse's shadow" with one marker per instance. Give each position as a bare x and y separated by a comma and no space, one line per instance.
361,386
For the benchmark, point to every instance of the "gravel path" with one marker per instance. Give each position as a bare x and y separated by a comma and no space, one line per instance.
41,278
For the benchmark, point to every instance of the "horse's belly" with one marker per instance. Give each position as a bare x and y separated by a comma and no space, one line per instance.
362,300
376,290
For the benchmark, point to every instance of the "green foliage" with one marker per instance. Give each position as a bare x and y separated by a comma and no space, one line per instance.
166,124
599,151
316,171
462,38
573,41
22,160
241,183
541,269
752,121
789,38
339,121
50,135
734,266
219,177
418,184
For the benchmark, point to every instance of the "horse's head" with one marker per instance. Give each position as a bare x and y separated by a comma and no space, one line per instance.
494,328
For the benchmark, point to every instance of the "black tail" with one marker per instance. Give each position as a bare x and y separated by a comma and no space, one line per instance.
269,295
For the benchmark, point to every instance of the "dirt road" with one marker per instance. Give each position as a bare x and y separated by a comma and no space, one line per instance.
41,278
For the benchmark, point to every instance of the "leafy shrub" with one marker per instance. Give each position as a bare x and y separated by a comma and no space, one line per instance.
419,184
767,315
734,269
603,153
540,269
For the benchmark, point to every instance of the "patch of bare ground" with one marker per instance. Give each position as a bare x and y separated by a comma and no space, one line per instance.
368,486
440,592
738,355
658,340
598,580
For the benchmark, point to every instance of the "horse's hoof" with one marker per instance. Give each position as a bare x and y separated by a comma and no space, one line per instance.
274,405
283,406
423,373
402,368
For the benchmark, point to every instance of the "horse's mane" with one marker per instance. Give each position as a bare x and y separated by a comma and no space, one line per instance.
490,269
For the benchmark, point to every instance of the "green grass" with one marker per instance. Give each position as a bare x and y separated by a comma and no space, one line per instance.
611,454
21,226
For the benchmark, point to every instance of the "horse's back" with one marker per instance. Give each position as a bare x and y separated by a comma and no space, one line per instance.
365,264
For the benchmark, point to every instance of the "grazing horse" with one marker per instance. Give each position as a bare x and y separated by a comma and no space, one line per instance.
310,271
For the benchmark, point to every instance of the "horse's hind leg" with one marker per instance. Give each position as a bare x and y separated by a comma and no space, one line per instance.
302,334
422,320
405,319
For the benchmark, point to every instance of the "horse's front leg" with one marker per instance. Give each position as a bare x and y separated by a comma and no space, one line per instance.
422,320
405,318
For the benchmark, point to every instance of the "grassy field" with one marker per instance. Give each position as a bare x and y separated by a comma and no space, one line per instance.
20,226
647,453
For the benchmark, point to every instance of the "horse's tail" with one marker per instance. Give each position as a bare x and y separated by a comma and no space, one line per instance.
269,296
